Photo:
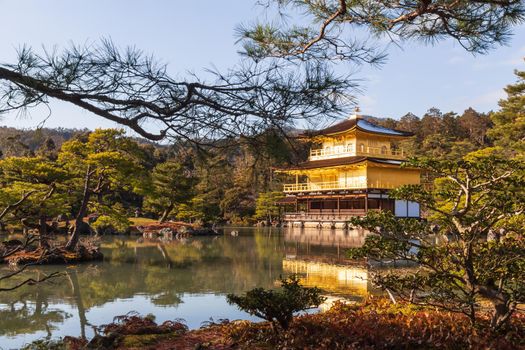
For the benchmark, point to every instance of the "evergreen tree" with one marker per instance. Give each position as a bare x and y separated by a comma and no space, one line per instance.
100,163
172,185
475,125
267,207
509,121
471,247
32,192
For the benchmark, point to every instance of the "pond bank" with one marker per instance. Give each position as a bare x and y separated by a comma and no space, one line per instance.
186,279
373,324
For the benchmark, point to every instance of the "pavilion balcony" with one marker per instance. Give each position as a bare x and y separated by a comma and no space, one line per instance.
323,186
378,152
335,186
325,215
349,151
332,152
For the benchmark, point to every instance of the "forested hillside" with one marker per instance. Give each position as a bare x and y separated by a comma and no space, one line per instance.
223,182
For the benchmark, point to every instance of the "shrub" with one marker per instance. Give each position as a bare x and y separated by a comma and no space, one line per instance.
106,224
279,306
379,324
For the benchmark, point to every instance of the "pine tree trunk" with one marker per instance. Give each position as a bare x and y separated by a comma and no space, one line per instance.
73,278
79,219
42,232
166,213
502,313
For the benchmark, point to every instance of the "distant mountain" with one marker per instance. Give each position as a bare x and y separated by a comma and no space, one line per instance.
20,142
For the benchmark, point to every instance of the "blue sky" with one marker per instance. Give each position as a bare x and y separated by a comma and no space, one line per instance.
193,35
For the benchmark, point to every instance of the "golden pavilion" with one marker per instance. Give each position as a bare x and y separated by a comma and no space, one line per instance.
349,173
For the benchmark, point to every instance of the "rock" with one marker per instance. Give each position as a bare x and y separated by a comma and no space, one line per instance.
166,233
185,230
103,342
234,233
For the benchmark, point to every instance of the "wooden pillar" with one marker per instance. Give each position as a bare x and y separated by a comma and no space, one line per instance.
339,205
366,202
307,205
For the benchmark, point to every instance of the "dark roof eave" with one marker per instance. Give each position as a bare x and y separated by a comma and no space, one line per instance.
348,125
324,163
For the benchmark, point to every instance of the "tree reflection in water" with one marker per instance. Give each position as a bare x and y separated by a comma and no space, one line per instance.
161,277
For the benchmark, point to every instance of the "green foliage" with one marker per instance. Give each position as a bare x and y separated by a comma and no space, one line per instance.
110,162
106,224
319,30
36,184
46,345
172,184
266,207
237,202
470,249
509,121
279,306
114,159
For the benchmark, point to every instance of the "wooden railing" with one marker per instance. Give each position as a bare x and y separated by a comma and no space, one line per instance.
344,215
347,151
335,186
324,186
324,153
382,153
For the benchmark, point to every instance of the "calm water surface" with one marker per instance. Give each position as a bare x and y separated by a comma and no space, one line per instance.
185,280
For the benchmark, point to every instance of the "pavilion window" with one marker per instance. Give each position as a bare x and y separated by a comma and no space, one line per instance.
345,204
387,205
358,203
316,205
330,205
373,203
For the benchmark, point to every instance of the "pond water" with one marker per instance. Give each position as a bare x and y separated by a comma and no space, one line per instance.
185,280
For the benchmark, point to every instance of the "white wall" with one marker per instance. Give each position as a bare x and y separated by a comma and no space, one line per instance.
405,209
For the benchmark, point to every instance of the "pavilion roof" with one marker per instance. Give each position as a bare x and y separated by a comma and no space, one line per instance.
325,163
359,123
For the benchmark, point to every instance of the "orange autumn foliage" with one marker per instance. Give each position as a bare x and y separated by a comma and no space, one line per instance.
373,324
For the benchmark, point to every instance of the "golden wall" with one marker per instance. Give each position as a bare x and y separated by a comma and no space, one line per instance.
382,177
372,141
341,175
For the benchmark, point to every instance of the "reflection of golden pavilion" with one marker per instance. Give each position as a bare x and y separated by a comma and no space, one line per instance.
325,237
351,173
348,281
